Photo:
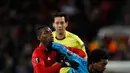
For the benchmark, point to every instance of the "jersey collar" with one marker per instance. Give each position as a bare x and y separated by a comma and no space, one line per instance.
66,35
41,46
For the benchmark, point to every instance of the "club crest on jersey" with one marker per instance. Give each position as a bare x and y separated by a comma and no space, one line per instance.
37,60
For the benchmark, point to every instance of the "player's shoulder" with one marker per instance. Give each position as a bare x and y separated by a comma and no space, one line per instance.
37,52
76,37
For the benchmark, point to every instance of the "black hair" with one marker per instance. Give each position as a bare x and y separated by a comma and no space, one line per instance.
60,14
97,55
39,29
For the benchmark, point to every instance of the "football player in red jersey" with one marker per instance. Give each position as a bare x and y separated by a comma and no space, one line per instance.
43,57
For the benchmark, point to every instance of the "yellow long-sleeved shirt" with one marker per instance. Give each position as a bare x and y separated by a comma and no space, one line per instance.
70,40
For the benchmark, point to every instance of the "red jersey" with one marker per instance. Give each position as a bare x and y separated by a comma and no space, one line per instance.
43,62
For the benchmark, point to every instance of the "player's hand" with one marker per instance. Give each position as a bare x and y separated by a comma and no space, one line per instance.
60,57
74,64
65,64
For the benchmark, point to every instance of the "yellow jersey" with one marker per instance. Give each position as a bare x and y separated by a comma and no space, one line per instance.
70,40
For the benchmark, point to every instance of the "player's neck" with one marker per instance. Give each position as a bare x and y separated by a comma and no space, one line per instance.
44,44
60,36
41,43
46,49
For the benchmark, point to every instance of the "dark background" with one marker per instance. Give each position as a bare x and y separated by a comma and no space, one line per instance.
19,18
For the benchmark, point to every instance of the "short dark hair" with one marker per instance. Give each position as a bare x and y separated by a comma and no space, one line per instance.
39,29
60,14
97,55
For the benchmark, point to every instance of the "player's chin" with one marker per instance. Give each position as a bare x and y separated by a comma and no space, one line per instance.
60,30
99,71
50,42
102,71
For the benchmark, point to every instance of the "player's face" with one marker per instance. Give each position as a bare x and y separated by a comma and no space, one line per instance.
100,67
60,24
46,35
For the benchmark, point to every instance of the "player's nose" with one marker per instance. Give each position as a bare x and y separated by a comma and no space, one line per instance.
59,26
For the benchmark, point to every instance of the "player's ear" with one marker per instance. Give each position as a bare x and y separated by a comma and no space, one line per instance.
66,25
53,25
38,37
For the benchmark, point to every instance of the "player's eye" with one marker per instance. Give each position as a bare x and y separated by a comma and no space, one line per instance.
57,22
60,22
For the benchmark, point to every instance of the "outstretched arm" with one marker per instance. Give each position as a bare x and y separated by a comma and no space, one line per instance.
71,56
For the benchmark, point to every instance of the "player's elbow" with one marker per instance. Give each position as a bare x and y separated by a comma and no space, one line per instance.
82,55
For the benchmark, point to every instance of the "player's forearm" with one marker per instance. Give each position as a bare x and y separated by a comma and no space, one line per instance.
66,52
60,48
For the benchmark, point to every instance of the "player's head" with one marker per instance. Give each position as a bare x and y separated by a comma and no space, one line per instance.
60,21
44,34
97,60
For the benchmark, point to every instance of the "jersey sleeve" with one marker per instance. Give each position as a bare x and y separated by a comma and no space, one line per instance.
39,64
79,52
81,43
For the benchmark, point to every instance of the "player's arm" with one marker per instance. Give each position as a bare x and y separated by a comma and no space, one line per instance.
77,51
62,49
81,45
39,65
71,56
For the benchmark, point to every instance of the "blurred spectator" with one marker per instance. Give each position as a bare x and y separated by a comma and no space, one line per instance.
126,12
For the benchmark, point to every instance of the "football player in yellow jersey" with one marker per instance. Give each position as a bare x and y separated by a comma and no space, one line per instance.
62,36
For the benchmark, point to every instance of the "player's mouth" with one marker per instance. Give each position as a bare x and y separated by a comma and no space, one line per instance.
60,29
